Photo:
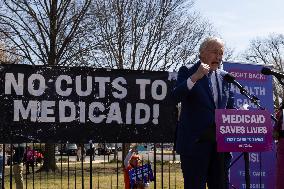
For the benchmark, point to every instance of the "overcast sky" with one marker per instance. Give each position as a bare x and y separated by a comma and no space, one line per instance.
239,21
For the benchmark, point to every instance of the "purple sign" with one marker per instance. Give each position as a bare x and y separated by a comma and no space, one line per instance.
262,164
243,130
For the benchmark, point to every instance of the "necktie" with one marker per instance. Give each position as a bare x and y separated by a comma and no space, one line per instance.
210,83
217,89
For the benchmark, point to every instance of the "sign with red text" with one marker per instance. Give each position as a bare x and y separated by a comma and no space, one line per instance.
243,130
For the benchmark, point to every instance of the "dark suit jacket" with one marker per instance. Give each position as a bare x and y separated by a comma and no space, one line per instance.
197,110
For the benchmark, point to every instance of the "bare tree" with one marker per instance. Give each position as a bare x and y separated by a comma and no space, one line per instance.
8,57
228,54
48,32
270,51
123,34
44,32
146,35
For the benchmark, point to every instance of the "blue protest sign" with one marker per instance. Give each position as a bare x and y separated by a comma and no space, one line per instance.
141,174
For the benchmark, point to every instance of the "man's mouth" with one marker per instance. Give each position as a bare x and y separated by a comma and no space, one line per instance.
215,63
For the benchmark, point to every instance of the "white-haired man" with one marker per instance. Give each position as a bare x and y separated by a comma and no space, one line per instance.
201,89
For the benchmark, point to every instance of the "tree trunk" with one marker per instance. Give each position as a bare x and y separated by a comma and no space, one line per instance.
52,60
125,149
115,152
49,163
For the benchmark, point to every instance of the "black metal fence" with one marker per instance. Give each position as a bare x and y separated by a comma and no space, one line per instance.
80,166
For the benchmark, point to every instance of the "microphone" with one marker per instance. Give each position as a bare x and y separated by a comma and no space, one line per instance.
276,73
231,79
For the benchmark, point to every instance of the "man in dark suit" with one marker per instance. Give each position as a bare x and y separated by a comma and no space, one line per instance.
201,89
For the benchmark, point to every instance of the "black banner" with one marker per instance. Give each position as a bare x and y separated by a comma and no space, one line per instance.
78,104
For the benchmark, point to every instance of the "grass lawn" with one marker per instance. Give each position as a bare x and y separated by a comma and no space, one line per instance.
104,177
